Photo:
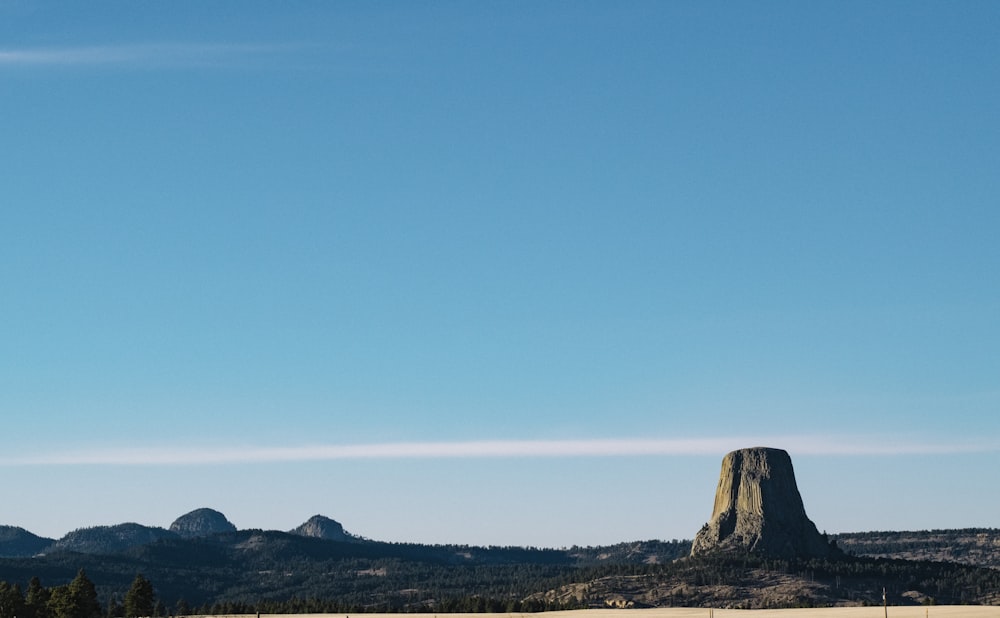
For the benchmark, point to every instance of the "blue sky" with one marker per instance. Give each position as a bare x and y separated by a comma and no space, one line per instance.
508,273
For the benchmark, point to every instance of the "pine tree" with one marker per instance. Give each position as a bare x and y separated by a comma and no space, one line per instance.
78,599
84,596
11,600
37,600
139,600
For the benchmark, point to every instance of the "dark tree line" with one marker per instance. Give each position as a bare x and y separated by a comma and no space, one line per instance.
272,584
77,599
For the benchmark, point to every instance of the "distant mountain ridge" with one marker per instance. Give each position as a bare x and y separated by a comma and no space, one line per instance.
108,539
16,541
973,546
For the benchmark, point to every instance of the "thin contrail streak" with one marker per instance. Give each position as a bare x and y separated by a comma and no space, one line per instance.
208,455
147,54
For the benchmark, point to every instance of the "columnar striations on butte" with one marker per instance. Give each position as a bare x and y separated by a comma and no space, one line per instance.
758,510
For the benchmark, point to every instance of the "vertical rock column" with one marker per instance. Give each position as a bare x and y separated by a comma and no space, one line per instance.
758,510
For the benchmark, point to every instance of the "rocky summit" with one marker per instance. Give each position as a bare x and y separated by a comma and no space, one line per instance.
320,527
201,522
758,510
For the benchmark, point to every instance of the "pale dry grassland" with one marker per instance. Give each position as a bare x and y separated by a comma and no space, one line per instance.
909,611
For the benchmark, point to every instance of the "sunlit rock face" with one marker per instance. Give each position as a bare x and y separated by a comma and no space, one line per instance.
201,522
758,510
320,527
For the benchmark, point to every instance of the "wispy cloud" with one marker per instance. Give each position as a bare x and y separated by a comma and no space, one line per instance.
797,445
154,55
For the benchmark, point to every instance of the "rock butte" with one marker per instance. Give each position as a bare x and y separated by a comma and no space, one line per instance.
758,510
201,522
321,527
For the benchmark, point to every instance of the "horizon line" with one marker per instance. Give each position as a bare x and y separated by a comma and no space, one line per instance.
800,446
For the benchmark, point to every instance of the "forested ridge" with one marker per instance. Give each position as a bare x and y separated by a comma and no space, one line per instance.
976,546
273,572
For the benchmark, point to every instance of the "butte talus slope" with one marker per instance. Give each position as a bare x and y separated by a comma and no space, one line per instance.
758,510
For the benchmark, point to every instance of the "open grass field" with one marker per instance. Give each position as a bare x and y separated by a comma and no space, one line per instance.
910,611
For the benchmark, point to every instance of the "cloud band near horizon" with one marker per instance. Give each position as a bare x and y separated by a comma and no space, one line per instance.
228,455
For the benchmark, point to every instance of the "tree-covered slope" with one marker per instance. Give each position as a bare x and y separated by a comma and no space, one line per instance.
975,546
254,570
16,541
